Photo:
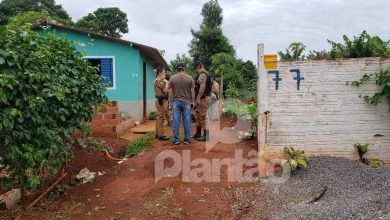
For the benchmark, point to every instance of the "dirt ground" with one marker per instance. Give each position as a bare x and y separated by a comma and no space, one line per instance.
129,191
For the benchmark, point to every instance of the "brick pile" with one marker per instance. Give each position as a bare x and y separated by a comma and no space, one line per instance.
106,120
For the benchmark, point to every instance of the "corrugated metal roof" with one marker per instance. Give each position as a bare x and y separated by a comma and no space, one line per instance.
148,51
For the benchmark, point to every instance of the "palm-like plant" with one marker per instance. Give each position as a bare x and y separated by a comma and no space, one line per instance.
297,49
296,159
294,52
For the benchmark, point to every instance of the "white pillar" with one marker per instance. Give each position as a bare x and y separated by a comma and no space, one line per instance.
262,105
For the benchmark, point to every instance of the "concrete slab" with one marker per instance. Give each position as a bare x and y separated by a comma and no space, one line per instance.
144,128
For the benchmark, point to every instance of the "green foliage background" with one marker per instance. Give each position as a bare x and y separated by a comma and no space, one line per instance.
46,90
363,45
211,47
9,8
108,21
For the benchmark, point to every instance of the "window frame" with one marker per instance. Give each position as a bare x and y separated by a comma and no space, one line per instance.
113,87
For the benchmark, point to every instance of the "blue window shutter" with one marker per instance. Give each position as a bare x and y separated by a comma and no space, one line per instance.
107,71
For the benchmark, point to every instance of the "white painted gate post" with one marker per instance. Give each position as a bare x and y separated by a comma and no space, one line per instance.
262,106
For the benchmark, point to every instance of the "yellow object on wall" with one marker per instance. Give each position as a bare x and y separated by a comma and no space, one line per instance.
270,61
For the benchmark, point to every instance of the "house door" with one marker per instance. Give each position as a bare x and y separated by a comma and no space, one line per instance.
144,91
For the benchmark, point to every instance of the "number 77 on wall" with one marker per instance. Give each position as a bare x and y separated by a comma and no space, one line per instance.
277,78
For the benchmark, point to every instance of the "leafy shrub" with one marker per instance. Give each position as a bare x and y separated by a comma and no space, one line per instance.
92,144
139,144
363,45
382,79
296,159
153,115
87,142
318,55
293,52
362,149
29,18
245,111
232,92
46,90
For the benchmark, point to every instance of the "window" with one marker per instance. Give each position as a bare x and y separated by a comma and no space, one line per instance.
106,67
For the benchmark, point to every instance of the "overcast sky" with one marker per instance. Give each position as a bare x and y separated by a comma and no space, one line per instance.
166,24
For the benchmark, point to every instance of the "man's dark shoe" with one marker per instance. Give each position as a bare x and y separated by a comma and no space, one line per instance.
205,137
187,142
202,138
176,143
163,138
198,133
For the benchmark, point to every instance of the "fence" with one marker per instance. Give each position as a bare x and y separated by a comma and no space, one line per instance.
308,105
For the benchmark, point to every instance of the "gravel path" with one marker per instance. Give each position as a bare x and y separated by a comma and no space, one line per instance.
355,191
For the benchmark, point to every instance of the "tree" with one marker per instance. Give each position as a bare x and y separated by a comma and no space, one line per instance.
249,74
235,74
27,19
108,21
184,59
46,90
223,66
9,8
89,23
212,14
209,40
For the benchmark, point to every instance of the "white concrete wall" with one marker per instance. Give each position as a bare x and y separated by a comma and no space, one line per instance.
326,116
134,108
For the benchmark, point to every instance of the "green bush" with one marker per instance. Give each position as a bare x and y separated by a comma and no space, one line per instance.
232,92
362,149
153,115
363,45
96,145
296,159
46,90
138,145
245,111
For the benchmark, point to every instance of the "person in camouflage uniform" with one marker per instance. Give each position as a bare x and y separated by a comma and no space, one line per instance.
203,86
160,88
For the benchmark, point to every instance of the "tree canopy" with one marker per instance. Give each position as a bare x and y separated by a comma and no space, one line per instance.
184,59
211,47
212,14
108,21
209,39
239,77
9,8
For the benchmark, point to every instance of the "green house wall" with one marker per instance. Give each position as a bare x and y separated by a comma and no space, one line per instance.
128,65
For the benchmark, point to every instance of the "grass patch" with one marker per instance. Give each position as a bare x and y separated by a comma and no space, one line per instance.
153,115
139,144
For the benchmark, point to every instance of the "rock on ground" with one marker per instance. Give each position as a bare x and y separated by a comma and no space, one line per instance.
9,199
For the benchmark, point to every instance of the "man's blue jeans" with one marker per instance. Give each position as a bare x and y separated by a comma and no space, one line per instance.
181,110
